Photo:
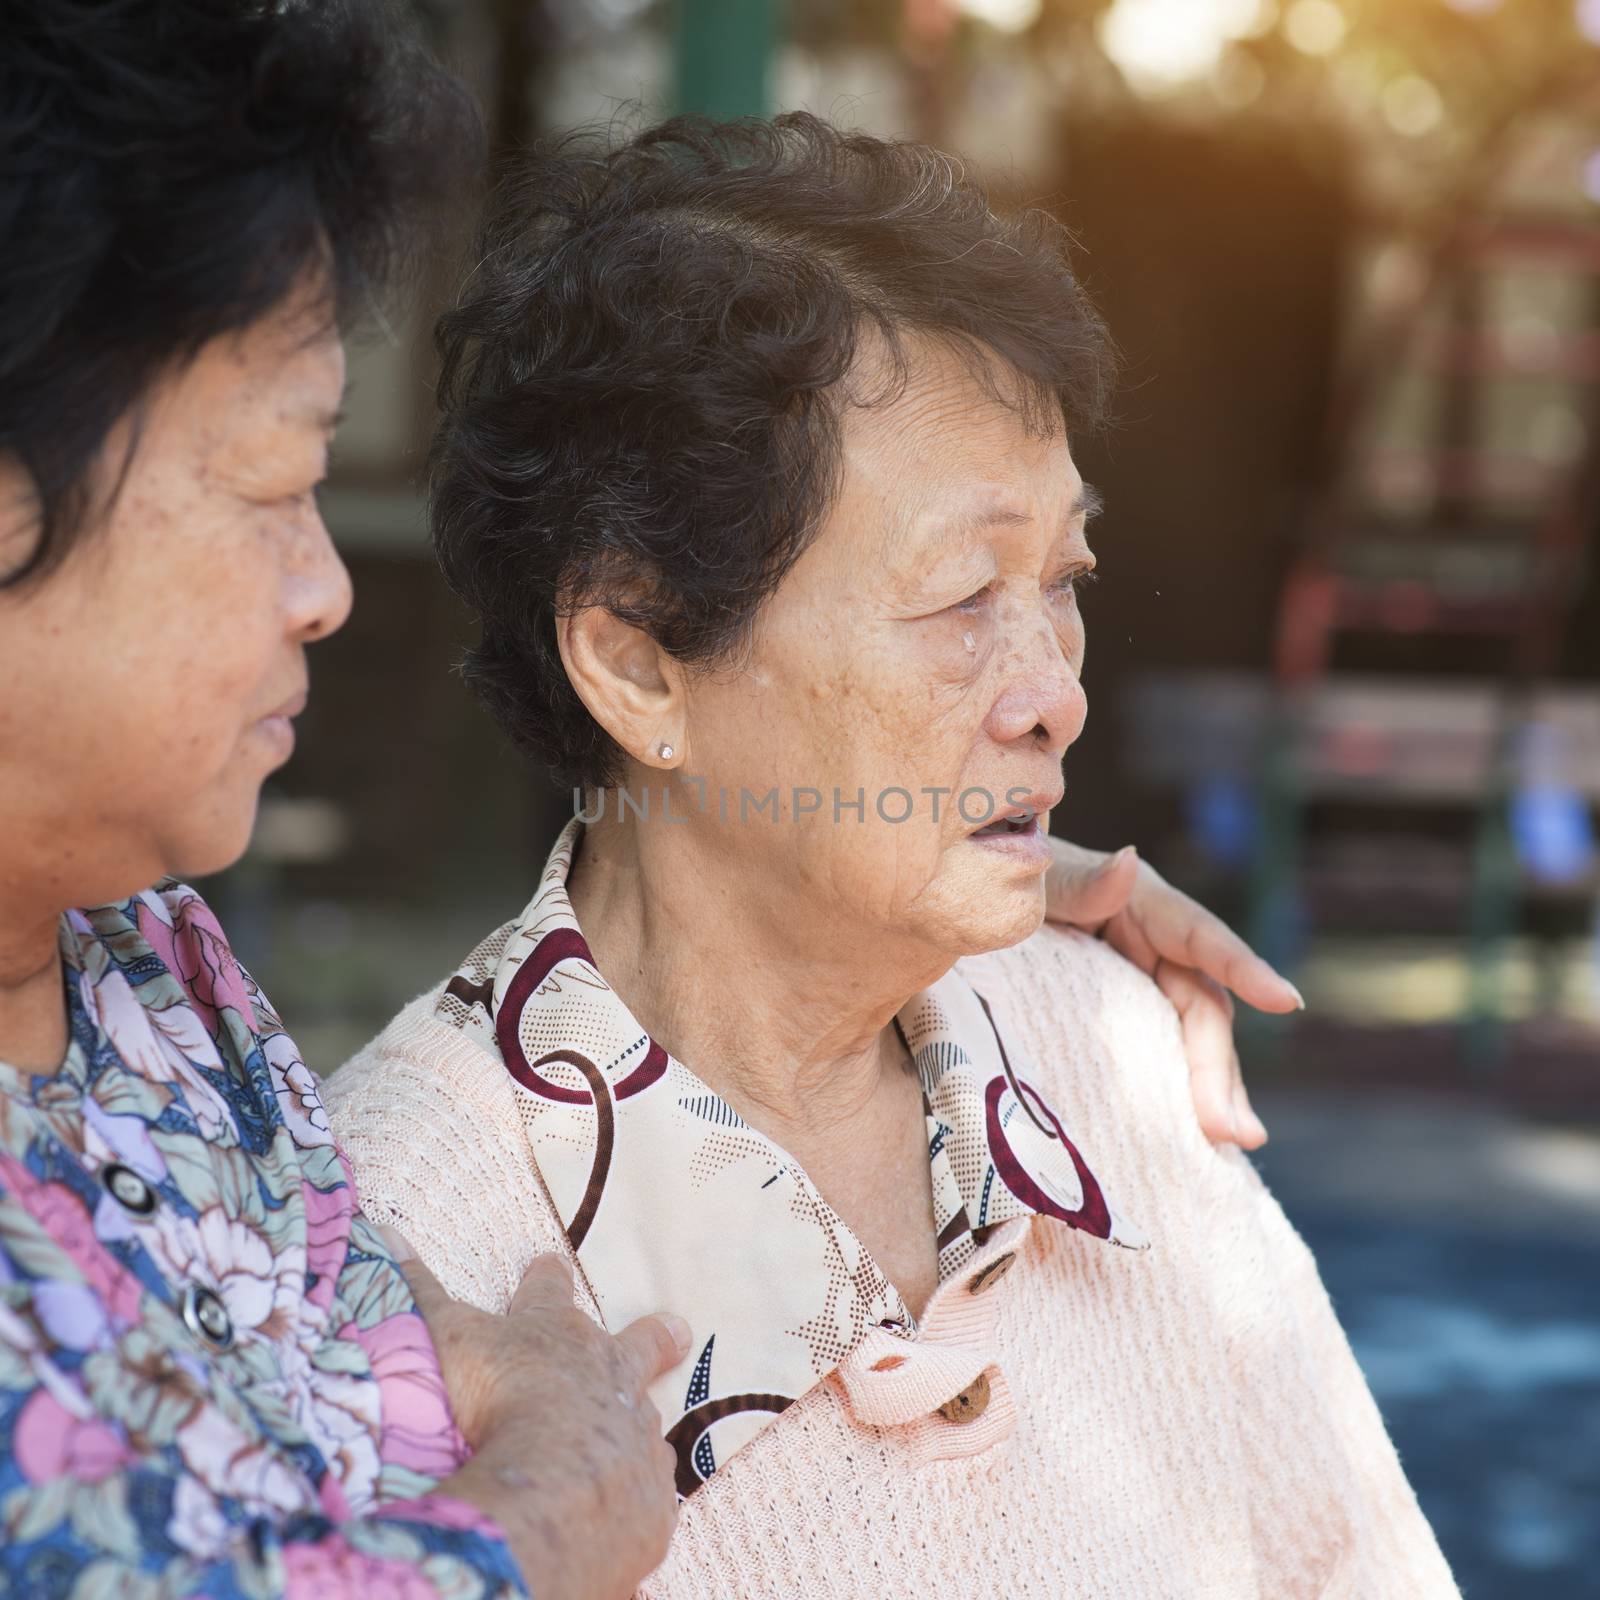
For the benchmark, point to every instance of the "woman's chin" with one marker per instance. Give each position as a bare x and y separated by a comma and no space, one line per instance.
212,841
1007,918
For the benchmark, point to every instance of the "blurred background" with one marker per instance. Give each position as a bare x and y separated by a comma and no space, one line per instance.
1344,664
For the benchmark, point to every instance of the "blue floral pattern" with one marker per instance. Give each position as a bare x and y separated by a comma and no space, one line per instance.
213,1377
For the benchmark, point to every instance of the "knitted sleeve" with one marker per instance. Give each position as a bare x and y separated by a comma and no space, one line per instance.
1332,1513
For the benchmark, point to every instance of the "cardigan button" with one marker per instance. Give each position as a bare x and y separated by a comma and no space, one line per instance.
128,1189
970,1404
991,1274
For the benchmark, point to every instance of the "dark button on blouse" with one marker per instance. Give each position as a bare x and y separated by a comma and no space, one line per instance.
207,1316
128,1189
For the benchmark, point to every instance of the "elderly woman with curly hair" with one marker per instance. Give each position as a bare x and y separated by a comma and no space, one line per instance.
756,464
214,1379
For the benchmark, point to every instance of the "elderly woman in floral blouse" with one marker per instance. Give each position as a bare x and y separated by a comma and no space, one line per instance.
213,1377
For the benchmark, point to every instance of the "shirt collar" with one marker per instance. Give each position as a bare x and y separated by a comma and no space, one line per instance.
671,1201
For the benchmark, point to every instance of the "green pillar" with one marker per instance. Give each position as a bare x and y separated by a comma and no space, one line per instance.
724,47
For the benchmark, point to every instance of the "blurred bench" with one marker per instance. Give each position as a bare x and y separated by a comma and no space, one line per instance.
1381,804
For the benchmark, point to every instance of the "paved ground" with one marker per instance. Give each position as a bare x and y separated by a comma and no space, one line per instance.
1462,1250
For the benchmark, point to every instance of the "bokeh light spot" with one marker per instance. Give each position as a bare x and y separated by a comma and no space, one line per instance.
1009,16
1411,105
1162,43
1315,27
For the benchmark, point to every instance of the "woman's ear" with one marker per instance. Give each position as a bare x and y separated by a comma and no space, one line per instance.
631,686
19,518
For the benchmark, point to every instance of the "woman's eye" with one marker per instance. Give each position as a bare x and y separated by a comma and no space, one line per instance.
973,601
1072,583
304,500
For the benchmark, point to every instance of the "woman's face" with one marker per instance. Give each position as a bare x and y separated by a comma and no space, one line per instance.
926,649
150,681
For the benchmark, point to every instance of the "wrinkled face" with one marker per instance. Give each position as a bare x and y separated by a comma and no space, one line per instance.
150,680
926,651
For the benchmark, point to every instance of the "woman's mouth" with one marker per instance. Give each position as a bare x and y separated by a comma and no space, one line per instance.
1015,822
278,731
1019,835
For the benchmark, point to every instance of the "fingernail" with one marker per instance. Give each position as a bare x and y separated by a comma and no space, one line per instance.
679,1332
1299,999
1258,1128
394,1242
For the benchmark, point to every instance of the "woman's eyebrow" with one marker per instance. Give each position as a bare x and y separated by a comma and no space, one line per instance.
1088,505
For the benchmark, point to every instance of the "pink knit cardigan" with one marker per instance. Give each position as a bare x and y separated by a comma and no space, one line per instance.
1186,1423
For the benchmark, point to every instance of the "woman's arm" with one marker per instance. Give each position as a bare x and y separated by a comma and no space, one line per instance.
1195,959
1333,1512
1332,1515
109,1507
108,1467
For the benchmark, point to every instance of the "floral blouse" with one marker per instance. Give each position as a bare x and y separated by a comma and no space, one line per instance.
213,1378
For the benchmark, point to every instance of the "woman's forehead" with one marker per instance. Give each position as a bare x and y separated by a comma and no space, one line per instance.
949,410
941,474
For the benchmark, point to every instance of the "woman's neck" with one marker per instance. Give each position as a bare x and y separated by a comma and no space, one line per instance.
723,969
33,1016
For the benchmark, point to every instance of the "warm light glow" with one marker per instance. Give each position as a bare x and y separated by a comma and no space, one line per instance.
1411,105
1316,27
1161,43
1474,6
1009,16
1238,80
1588,15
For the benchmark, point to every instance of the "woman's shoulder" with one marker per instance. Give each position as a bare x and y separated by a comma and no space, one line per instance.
429,1122
1063,986
417,1036
1055,954
1101,1040
422,1071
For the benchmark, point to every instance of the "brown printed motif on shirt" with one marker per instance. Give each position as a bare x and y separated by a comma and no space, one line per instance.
670,1198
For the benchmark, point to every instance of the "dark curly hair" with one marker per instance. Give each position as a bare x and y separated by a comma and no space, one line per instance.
169,171
640,397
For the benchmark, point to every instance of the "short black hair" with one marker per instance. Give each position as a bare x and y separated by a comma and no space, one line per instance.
170,170
638,387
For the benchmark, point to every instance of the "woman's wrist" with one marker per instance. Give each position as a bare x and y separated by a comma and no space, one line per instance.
492,1482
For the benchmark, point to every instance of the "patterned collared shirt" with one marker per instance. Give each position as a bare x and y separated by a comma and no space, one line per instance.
213,1377
670,1199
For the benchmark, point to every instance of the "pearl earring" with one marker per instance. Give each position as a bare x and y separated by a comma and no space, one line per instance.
666,752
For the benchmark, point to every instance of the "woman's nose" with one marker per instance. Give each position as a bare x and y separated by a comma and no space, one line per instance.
1043,695
319,589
